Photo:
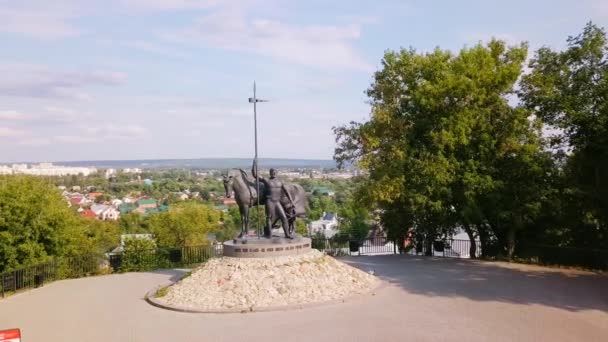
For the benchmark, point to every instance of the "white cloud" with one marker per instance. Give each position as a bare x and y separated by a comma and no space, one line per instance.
10,115
7,132
324,46
74,139
32,141
115,131
26,80
168,4
37,22
601,7
155,48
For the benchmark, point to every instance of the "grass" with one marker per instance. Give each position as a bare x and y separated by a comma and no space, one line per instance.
161,292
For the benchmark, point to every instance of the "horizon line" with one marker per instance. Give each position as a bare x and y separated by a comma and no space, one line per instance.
158,159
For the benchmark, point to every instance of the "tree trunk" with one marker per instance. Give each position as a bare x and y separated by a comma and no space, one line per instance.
483,239
473,247
428,243
510,242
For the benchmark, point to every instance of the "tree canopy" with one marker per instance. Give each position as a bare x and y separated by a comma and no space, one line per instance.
443,141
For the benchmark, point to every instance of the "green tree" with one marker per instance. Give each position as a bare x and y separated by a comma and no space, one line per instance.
440,136
133,223
35,223
103,198
568,90
139,255
185,224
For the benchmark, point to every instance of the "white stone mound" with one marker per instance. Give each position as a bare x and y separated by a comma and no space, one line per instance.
254,283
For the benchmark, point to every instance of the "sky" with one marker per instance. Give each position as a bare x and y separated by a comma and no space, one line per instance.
165,79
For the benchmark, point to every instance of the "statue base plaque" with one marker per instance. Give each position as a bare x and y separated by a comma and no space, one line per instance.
266,247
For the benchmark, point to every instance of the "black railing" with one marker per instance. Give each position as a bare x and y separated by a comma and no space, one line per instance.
149,259
564,256
345,247
385,246
36,275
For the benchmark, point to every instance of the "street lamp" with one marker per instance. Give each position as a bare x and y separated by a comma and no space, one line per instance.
255,100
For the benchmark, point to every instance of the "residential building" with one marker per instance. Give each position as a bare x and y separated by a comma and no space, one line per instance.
146,203
131,170
126,208
326,225
110,214
99,208
93,195
88,213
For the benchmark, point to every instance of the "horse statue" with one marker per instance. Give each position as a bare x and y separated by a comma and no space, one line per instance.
246,196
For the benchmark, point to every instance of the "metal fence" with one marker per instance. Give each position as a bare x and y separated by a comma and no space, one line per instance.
450,248
343,247
149,259
384,246
36,275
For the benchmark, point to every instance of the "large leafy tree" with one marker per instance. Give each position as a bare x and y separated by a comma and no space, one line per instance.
185,224
568,90
36,223
439,140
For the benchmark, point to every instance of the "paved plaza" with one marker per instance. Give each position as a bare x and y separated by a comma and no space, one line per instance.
424,299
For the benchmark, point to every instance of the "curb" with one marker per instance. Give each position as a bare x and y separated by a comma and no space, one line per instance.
156,302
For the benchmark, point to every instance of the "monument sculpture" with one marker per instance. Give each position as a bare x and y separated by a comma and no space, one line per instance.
292,200
270,270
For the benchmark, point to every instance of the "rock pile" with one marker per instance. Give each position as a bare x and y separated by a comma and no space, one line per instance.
249,284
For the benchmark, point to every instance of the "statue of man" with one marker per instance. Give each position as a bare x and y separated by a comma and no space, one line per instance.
274,190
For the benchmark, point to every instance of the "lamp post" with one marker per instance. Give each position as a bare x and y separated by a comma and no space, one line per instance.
255,100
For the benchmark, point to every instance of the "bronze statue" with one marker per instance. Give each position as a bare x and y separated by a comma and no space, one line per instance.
274,191
245,193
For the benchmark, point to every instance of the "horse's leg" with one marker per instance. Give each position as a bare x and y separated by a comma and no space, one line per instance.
243,213
246,221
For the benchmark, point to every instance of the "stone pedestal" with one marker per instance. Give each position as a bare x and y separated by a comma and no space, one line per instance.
266,248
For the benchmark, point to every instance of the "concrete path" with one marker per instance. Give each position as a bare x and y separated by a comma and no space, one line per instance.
427,299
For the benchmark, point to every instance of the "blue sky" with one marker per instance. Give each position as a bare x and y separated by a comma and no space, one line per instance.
147,79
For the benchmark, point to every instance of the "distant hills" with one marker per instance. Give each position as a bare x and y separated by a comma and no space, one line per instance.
203,163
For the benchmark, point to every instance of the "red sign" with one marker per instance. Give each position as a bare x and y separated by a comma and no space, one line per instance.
11,335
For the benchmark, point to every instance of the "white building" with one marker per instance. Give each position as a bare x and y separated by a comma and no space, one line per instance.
131,170
110,214
5,170
48,169
327,225
110,172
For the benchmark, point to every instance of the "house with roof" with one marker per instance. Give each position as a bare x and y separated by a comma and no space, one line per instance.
88,213
99,208
129,199
93,195
146,203
326,225
126,208
76,200
110,214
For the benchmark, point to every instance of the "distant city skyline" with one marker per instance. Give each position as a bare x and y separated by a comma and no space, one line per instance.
169,79
206,163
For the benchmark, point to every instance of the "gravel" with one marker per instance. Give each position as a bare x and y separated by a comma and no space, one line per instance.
250,283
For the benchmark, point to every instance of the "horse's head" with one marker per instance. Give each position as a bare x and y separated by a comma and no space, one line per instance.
227,180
